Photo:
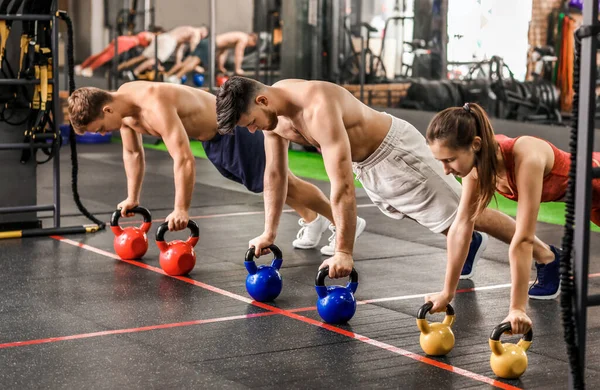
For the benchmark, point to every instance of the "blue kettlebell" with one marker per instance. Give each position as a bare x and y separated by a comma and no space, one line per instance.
264,282
183,79
198,79
336,304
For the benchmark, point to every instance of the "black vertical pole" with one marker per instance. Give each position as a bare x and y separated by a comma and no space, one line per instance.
55,105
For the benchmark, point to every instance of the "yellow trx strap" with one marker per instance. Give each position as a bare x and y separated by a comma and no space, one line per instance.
4,31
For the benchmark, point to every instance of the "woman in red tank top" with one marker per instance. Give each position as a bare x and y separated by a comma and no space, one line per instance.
528,170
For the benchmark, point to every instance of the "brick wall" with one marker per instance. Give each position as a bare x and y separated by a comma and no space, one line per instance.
538,29
384,95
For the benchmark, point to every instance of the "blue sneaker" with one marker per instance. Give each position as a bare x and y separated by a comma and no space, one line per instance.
478,245
547,283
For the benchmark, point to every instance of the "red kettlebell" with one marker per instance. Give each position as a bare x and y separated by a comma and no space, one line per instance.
177,257
221,79
131,242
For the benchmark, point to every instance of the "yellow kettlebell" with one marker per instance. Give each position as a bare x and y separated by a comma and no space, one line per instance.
509,361
437,338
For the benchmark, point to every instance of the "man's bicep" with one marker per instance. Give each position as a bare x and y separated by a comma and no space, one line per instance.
337,160
276,149
328,129
178,144
132,141
331,135
327,126
193,43
242,43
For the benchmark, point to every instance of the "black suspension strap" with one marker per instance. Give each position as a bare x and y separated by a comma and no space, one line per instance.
72,141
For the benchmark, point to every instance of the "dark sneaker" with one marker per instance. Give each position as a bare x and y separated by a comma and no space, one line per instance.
478,245
547,283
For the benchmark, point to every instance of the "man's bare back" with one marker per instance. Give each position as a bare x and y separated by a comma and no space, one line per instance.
228,40
186,34
365,126
195,108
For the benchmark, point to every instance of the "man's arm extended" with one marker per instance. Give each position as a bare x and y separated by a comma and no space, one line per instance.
179,54
275,180
239,54
222,57
327,128
134,161
135,164
275,188
167,123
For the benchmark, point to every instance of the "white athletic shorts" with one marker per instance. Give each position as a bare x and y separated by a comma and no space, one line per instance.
166,46
403,179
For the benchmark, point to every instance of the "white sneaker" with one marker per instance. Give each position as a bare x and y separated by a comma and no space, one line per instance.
174,79
77,70
87,72
329,250
310,233
129,75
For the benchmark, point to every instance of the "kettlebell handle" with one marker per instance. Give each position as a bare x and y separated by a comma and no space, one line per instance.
144,212
428,306
274,248
497,347
423,324
505,327
194,234
324,272
322,291
251,265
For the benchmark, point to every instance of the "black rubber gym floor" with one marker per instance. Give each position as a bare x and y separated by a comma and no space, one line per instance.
75,316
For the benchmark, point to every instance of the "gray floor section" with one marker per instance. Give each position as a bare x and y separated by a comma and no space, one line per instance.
53,289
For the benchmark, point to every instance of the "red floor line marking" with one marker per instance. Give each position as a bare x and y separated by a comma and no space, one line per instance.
132,330
395,349
307,320
300,309
438,364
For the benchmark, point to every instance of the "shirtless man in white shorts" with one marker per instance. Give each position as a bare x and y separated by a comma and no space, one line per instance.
389,156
